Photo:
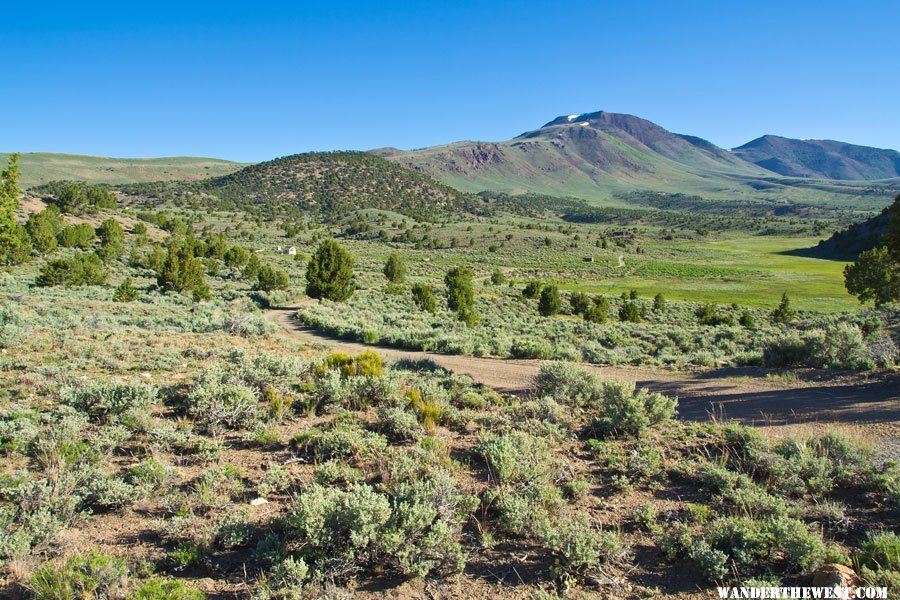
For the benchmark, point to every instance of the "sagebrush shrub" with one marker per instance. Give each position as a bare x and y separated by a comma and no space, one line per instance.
525,510
399,424
102,401
428,517
166,589
287,578
276,479
524,467
518,457
149,475
838,346
568,383
345,441
579,548
340,530
878,558
91,575
627,465
784,543
12,326
104,491
627,412
18,428
220,401
543,417
336,472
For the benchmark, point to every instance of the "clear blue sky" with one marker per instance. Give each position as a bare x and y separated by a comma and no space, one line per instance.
253,80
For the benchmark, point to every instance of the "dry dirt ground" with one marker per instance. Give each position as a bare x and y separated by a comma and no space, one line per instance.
865,406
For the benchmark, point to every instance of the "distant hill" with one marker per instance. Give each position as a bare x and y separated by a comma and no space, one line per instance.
821,159
339,182
599,156
41,167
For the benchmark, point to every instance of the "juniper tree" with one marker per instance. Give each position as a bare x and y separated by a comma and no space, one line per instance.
236,257
629,312
79,235
659,303
460,295
251,269
112,240
125,292
874,276
182,272
271,278
532,289
329,274
785,313
580,303
599,310
43,227
549,304
424,297
15,243
395,269
85,268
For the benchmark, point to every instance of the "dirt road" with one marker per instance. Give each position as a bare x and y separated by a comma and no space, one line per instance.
744,395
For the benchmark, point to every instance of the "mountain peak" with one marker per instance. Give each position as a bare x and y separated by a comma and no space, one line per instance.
597,118
762,140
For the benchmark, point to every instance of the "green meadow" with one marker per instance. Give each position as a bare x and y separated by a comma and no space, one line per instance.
752,271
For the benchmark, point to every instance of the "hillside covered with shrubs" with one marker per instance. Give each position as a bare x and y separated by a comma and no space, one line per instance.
340,182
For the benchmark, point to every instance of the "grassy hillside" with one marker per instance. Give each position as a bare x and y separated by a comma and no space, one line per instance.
41,167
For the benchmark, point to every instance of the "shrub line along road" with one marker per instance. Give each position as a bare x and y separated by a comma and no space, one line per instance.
751,400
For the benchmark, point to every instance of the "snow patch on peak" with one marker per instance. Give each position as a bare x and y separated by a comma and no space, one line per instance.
572,117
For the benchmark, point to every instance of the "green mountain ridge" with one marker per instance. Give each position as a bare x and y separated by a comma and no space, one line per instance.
823,159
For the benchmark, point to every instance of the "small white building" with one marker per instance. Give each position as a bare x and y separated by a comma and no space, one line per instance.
292,251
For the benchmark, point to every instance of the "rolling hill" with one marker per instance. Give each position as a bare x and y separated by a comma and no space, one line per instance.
855,239
40,167
600,156
339,182
822,159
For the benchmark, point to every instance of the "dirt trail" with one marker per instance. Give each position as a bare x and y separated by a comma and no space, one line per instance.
867,406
